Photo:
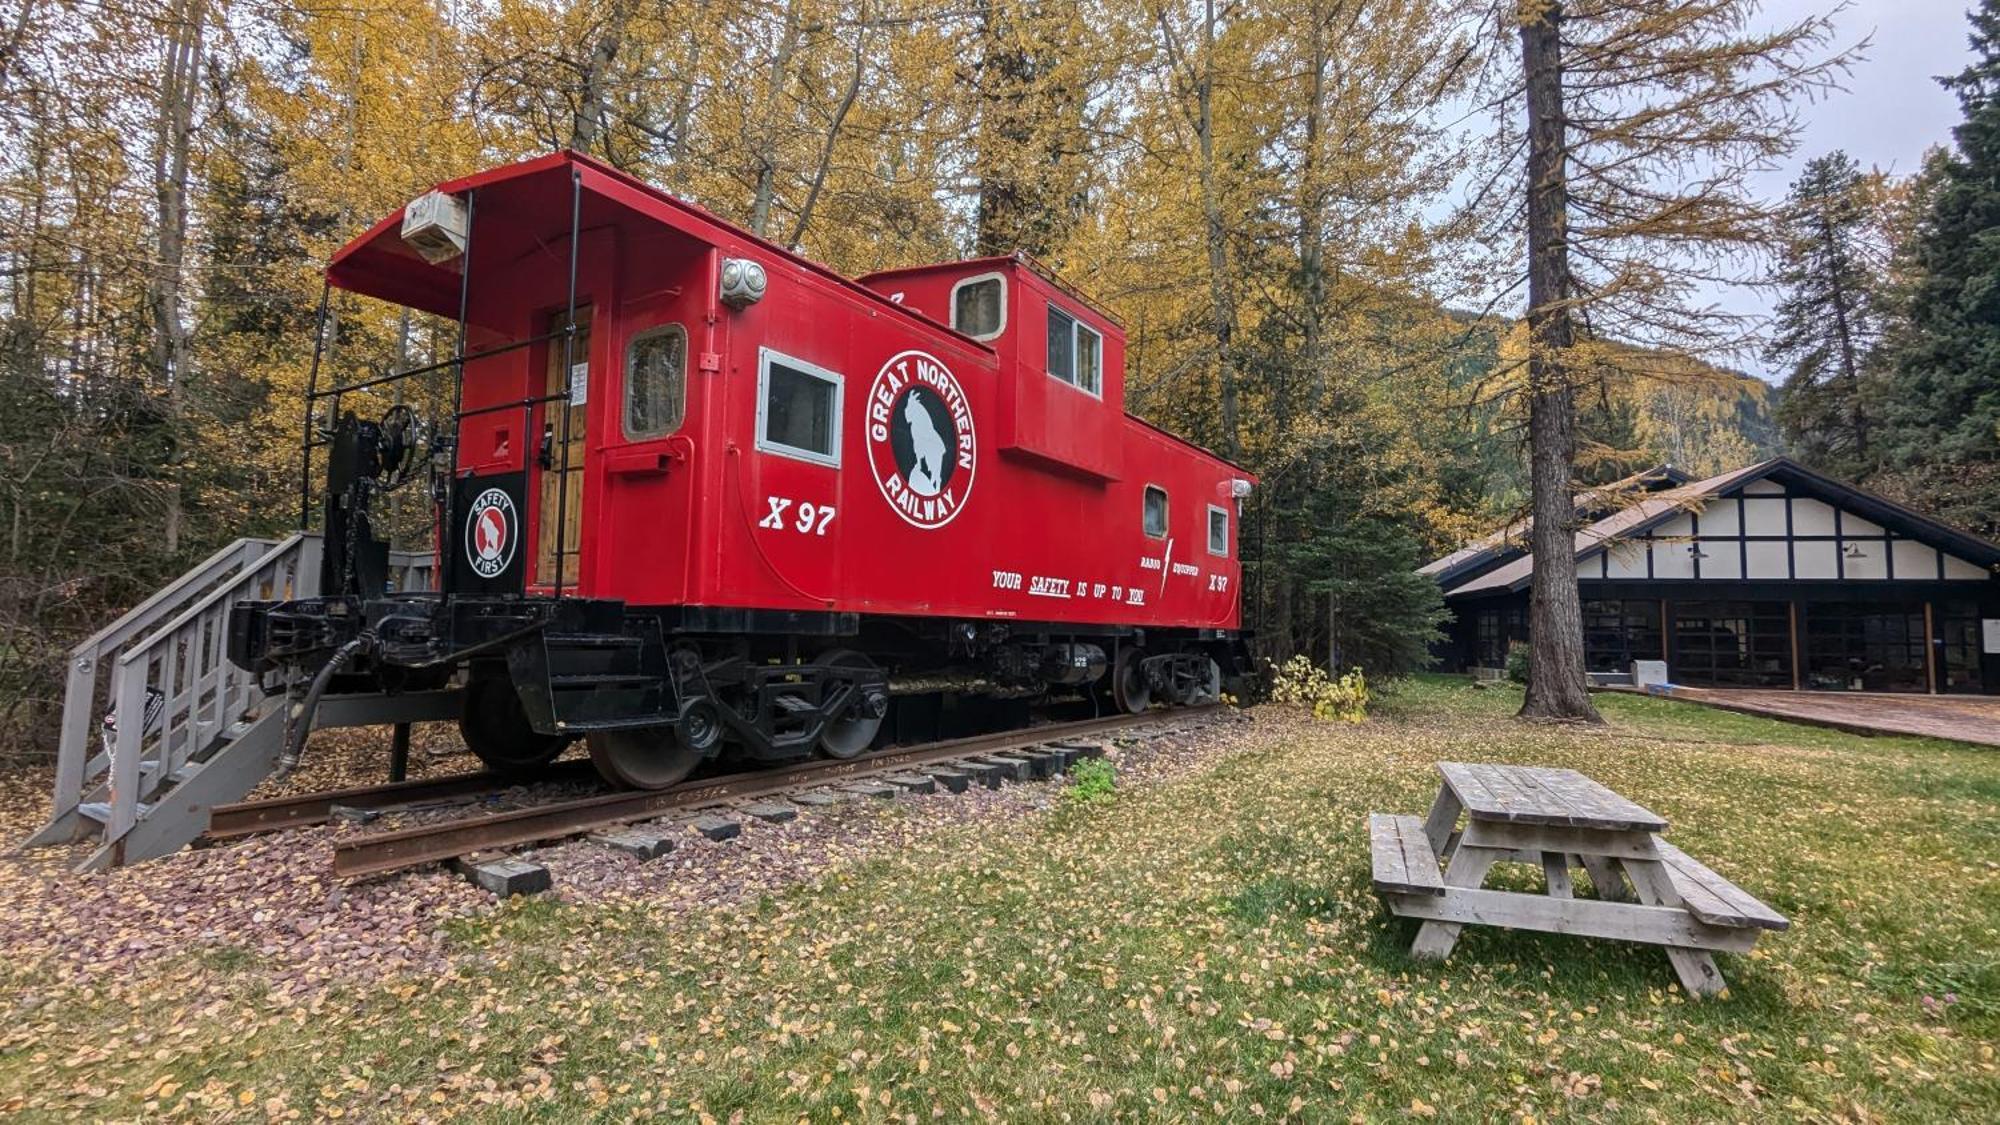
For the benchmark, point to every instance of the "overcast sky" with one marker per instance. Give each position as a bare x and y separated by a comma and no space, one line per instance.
1892,109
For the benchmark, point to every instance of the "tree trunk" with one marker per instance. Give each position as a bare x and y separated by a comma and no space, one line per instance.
1221,301
586,125
1557,687
833,127
767,155
1843,328
178,90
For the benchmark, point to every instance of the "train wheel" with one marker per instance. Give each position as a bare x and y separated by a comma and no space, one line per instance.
496,729
1128,682
855,730
643,757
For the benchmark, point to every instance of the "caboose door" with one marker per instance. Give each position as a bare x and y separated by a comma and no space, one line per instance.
565,437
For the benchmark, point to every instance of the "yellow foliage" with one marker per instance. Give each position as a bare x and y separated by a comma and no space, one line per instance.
1299,682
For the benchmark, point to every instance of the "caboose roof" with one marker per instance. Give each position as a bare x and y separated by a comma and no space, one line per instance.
1019,259
537,193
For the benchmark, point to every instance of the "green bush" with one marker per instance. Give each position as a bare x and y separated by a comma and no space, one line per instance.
1302,683
1092,779
1517,662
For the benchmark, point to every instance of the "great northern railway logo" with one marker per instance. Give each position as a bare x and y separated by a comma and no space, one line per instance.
921,447
491,531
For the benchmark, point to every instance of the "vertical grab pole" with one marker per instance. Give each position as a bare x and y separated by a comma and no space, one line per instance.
447,519
312,400
569,360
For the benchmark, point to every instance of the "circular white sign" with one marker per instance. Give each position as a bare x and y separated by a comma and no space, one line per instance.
921,447
491,531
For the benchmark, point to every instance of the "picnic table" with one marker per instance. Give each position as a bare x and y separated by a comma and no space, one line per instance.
1559,820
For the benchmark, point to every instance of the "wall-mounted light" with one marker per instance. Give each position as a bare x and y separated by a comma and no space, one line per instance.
1695,551
743,282
1853,551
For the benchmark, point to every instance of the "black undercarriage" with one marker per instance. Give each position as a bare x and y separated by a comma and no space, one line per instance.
657,690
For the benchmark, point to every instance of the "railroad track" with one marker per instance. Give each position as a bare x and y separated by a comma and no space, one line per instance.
248,818
384,852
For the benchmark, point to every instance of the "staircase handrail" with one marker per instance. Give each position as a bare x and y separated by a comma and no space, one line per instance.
129,678
73,747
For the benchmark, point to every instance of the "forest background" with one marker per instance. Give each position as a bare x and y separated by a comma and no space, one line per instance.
1290,204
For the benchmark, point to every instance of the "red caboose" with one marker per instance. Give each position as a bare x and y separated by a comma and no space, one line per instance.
704,493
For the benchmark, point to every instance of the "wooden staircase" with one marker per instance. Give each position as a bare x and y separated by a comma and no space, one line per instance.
186,730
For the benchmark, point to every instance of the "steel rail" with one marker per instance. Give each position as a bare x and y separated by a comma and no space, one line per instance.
248,818
384,852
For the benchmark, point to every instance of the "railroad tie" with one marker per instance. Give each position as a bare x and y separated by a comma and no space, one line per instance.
504,875
1010,768
770,812
983,772
954,781
717,828
913,782
644,843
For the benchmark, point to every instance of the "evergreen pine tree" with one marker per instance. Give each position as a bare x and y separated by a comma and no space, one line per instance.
1829,322
1942,437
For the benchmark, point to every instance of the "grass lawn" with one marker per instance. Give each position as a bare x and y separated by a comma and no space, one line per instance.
1201,948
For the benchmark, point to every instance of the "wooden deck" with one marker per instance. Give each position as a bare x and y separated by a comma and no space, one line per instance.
1961,718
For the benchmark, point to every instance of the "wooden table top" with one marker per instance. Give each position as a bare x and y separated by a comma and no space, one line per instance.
1538,795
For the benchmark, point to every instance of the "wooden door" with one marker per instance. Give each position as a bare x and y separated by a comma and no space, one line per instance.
567,439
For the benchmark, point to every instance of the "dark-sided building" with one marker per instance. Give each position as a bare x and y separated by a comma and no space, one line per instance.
1771,576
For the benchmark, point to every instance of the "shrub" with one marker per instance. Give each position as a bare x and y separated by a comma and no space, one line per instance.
1517,662
1302,683
1092,779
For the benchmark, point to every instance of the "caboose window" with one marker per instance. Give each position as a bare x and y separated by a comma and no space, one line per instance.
979,306
798,409
1076,352
1156,511
655,382
1218,531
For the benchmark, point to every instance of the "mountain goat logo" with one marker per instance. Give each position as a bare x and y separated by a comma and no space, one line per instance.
921,446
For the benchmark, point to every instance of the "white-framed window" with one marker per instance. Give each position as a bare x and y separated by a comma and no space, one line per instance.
979,306
798,409
1218,531
1076,352
655,382
1154,514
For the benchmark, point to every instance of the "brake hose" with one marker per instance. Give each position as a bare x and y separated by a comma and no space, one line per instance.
298,723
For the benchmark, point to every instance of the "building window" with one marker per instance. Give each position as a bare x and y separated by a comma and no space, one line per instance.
655,382
1156,512
1618,632
1865,647
1494,630
1218,531
979,306
1733,644
1076,352
798,409
1959,643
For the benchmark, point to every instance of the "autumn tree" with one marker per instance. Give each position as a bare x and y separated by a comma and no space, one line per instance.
1829,320
1643,123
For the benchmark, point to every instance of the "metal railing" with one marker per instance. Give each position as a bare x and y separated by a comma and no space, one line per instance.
172,689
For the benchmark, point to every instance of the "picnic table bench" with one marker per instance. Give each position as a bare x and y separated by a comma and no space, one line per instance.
1559,820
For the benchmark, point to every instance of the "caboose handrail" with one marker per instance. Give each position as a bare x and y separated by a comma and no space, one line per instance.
451,361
